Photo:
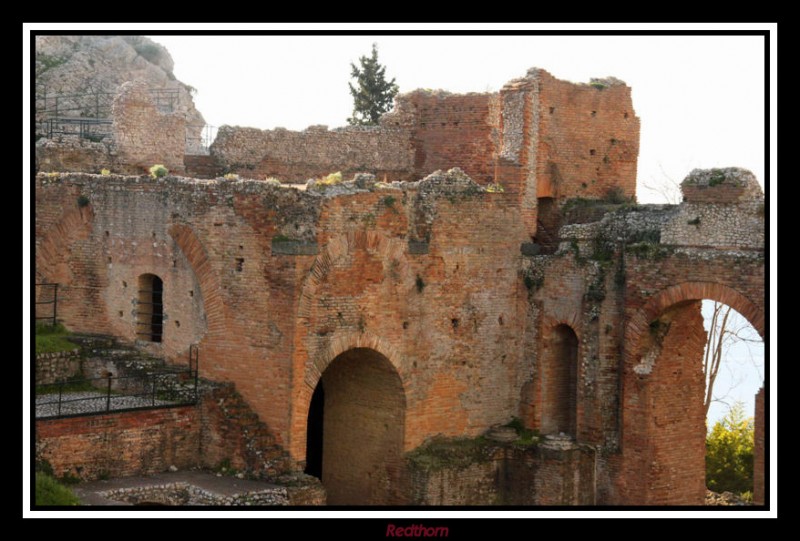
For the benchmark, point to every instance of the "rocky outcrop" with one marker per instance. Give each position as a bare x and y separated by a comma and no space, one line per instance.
96,66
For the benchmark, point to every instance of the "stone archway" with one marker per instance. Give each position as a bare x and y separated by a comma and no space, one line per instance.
361,415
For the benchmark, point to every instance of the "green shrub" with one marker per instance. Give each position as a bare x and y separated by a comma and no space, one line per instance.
330,180
51,492
158,171
729,453
83,201
105,172
231,176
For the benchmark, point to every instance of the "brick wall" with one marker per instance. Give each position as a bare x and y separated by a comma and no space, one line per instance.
665,419
759,473
502,474
588,138
453,131
121,444
363,430
429,275
221,428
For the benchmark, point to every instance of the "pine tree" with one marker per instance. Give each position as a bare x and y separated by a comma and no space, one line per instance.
372,95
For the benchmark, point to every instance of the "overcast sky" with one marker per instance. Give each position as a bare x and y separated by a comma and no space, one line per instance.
700,98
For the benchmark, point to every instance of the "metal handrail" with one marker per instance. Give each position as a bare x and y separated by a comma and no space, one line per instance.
154,390
54,302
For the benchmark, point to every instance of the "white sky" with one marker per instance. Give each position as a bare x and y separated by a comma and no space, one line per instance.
700,98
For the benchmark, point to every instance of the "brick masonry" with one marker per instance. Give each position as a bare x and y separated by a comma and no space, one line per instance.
221,429
424,289
759,451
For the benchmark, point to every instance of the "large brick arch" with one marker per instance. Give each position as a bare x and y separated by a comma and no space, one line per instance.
74,224
691,291
310,364
65,255
210,289
662,415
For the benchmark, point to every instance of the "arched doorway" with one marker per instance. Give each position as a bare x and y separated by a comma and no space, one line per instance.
560,382
150,309
663,412
355,429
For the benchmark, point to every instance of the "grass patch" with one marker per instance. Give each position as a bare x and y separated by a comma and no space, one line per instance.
449,453
527,436
51,492
51,339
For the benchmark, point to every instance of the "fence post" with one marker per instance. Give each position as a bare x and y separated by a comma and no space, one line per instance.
108,392
154,388
60,390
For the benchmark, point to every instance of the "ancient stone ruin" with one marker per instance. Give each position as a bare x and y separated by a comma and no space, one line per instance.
474,312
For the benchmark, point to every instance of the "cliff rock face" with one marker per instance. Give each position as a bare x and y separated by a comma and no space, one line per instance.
77,76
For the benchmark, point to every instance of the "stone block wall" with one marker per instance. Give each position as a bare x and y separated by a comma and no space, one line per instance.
503,474
292,156
58,366
143,135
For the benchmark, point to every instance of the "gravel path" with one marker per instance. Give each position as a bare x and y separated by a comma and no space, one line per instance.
89,402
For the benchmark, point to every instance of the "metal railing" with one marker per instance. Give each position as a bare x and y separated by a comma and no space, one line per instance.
50,300
96,396
199,138
94,129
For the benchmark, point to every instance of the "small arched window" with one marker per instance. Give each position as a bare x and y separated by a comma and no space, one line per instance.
150,308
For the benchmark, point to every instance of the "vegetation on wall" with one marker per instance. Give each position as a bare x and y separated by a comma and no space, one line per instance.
52,339
729,453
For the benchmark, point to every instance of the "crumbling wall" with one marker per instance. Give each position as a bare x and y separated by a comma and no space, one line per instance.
450,130
292,156
484,472
588,140
723,208
143,135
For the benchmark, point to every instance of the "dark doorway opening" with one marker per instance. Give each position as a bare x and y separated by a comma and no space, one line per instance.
150,309
314,432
